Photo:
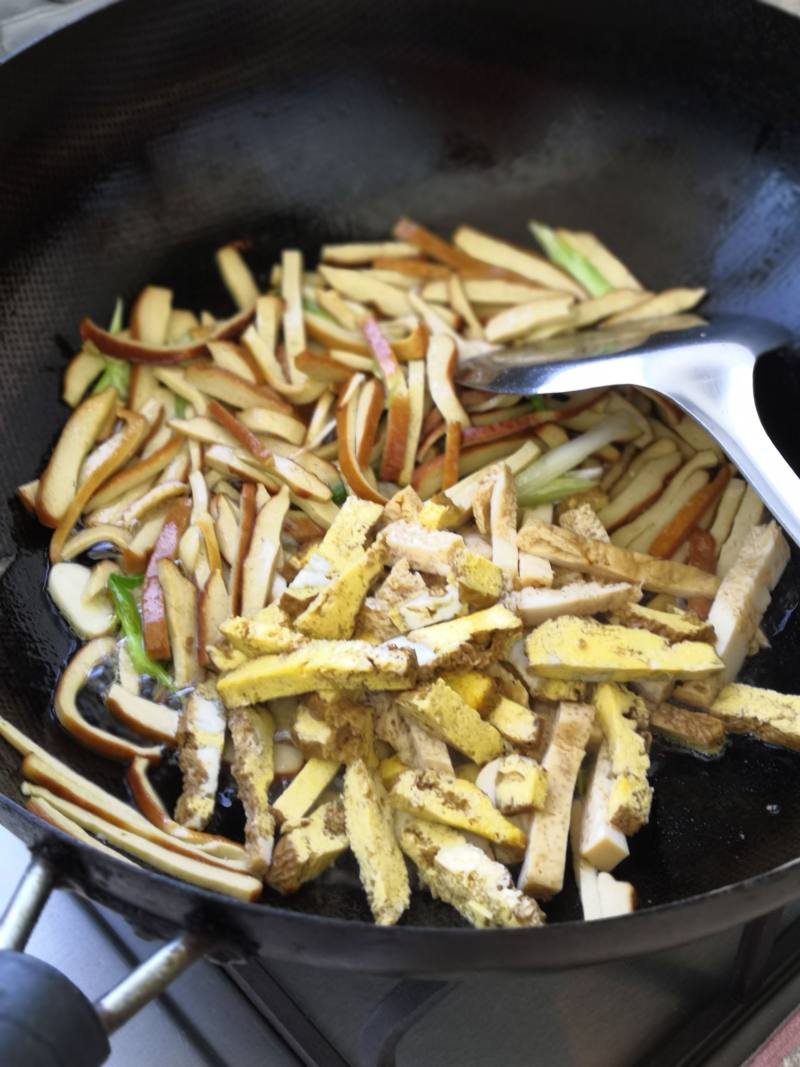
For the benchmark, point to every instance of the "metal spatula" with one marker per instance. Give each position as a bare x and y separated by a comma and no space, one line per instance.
707,370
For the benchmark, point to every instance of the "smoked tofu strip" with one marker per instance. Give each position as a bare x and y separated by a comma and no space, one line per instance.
259,564
428,609
269,632
252,731
503,522
477,690
691,729
374,621
542,873
430,752
318,665
391,726
188,869
462,494
304,790
201,738
405,504
347,535
566,549
464,877
518,725
332,613
331,727
534,571
571,647
479,581
343,545
370,829
454,802
180,604
672,625
431,551
631,795
45,810
474,640
774,717
520,785
439,709
308,847
584,522
728,506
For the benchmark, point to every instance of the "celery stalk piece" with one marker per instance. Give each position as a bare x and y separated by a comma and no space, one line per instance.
560,253
121,587
564,457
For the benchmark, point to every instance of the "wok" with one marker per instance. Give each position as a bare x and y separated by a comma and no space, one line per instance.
140,139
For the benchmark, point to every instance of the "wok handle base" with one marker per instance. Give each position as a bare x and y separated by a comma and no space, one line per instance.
394,1016
45,1020
25,907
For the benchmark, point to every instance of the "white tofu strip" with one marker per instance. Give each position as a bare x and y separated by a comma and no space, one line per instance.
602,896
600,843
534,571
656,692
616,898
725,513
585,873
534,606
432,551
744,596
542,873
748,515
427,609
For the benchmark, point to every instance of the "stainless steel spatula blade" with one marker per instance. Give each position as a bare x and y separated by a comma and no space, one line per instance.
706,370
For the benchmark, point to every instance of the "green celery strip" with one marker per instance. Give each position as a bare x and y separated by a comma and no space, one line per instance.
115,326
315,309
562,486
117,372
121,587
573,262
564,458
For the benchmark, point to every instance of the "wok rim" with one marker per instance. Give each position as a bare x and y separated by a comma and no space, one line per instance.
328,941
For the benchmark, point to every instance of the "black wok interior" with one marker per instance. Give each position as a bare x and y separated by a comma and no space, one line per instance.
137,141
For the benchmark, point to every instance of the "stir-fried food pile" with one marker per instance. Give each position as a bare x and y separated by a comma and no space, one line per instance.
418,622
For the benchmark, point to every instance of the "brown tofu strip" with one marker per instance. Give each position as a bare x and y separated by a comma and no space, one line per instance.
154,617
